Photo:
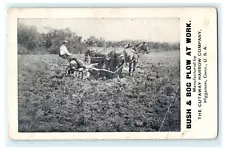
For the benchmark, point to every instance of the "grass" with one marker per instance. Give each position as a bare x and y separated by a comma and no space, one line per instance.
133,104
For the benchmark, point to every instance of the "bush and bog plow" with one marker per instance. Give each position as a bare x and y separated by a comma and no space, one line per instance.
90,70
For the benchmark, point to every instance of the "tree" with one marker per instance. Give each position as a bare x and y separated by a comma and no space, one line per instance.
27,36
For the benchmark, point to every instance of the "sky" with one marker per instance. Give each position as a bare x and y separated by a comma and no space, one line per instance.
148,29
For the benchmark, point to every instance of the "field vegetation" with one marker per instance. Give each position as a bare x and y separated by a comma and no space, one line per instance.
147,101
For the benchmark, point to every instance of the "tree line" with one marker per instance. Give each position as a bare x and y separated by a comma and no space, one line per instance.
31,41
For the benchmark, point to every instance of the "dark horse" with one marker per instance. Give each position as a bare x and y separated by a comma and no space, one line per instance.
115,60
120,56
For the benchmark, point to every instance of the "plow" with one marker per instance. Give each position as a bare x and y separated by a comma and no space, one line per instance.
107,63
91,70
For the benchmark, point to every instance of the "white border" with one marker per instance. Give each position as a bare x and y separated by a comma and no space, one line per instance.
195,144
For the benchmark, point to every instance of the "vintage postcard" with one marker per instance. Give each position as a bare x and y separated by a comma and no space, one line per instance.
112,73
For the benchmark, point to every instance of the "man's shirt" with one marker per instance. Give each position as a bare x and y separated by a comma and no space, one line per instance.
63,50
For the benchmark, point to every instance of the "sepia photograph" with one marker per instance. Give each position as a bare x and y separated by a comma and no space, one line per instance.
98,75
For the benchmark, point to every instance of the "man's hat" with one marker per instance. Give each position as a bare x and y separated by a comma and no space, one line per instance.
65,41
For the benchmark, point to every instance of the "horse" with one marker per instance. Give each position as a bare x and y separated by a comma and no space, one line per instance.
115,61
131,57
141,47
125,55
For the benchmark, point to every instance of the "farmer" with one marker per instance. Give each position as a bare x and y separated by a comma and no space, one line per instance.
65,54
